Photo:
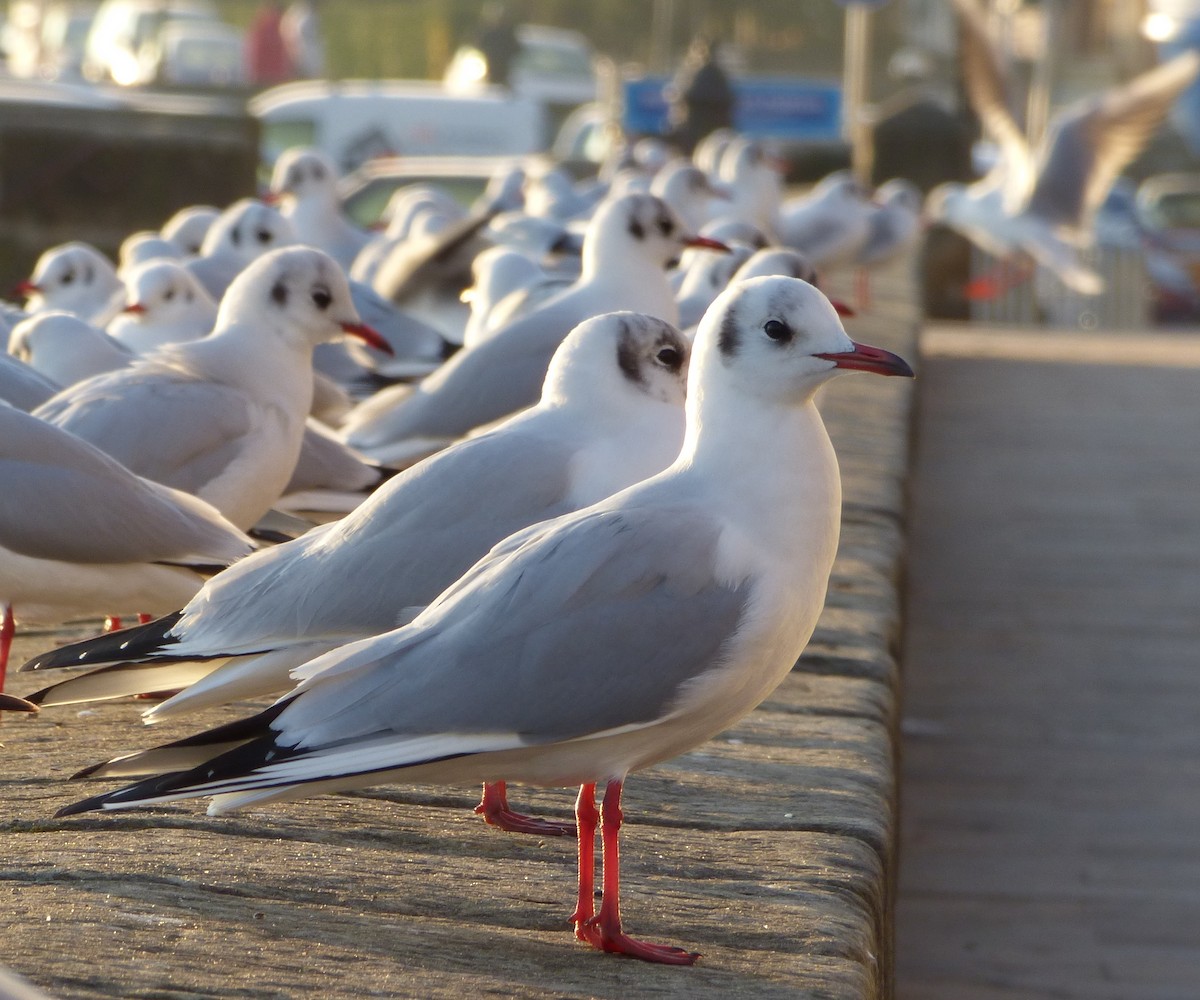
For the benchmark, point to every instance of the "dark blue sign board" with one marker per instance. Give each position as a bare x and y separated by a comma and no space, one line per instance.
767,107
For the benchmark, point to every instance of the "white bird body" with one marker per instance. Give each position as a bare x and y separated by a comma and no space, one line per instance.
74,278
222,417
611,414
165,304
188,227
831,223
629,242
81,536
305,181
597,643
66,349
1042,203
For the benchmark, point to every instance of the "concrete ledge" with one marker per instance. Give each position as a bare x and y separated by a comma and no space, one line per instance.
770,849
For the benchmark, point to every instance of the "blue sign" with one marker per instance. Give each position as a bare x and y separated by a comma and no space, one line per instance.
783,108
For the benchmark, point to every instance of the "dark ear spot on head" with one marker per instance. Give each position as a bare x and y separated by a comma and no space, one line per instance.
728,338
627,356
318,172
636,229
88,273
279,293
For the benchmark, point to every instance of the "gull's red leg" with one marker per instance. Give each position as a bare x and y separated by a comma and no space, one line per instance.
607,924
493,807
586,819
112,623
144,619
7,627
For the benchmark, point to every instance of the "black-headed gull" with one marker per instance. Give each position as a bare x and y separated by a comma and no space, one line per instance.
830,223
222,417
82,536
304,183
188,227
164,304
242,233
75,278
611,413
1041,204
630,240
601,642
65,348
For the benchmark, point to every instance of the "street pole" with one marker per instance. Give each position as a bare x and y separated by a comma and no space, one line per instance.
855,76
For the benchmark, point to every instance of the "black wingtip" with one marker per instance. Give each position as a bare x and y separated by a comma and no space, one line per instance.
133,643
82,806
11,703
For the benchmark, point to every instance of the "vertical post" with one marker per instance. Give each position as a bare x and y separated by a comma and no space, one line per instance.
855,76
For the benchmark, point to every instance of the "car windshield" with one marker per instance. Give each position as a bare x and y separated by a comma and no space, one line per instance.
1177,211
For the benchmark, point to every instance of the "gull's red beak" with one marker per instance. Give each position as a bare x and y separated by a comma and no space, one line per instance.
23,289
272,198
842,309
865,358
370,336
134,307
706,243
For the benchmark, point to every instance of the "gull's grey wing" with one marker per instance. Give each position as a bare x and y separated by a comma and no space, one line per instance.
1089,144
23,386
65,500
988,91
476,386
400,548
167,427
598,622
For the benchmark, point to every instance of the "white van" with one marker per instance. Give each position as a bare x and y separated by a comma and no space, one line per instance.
356,120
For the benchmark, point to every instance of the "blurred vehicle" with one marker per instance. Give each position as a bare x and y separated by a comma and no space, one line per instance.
47,40
553,66
366,191
193,54
357,120
122,28
1168,211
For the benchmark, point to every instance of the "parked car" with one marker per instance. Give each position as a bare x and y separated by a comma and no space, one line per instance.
366,191
123,27
194,54
357,120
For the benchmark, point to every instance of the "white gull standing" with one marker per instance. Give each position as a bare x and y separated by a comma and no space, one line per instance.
65,348
82,536
223,417
305,185
599,643
611,413
75,278
630,240
165,304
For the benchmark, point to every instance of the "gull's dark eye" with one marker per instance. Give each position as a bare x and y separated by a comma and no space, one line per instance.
263,235
318,172
669,358
170,294
665,225
778,331
235,237
321,298
68,277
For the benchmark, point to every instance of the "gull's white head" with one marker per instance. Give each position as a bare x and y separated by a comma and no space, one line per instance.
73,277
246,230
776,339
300,293
188,227
138,248
619,355
164,291
303,173
638,230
